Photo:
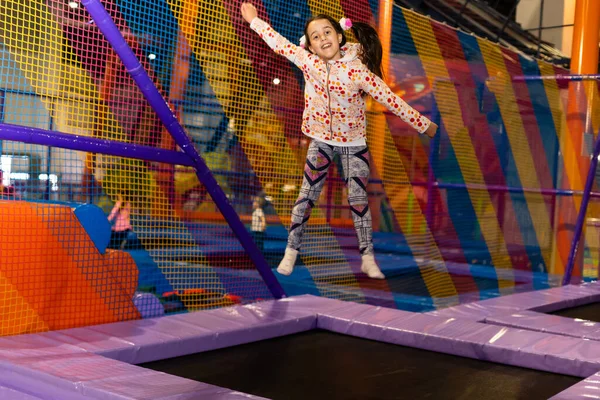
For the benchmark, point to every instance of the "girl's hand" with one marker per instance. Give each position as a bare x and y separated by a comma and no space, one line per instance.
248,12
431,130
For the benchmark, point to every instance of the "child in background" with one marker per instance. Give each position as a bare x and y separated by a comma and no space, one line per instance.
121,225
259,222
338,76
6,192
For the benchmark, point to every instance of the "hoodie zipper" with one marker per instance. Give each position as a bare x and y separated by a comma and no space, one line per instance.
328,66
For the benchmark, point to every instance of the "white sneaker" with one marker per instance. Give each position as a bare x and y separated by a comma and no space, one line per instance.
286,266
370,267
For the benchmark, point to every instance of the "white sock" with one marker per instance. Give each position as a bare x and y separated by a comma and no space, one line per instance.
286,266
369,266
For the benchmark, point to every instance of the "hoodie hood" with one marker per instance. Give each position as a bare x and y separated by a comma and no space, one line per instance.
350,52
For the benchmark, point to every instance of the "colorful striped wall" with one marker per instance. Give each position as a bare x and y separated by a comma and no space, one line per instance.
472,213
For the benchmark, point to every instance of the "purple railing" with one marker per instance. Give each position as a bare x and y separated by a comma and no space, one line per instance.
574,77
43,137
589,182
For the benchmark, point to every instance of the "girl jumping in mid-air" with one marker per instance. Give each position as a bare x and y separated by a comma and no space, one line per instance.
338,75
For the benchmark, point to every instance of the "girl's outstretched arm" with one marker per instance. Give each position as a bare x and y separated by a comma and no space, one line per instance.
274,40
431,130
380,91
249,12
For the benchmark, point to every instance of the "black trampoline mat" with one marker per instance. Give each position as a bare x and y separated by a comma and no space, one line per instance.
590,312
324,365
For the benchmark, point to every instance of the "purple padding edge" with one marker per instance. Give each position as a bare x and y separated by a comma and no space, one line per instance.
148,340
571,296
586,389
83,375
537,350
540,300
61,364
555,324
13,394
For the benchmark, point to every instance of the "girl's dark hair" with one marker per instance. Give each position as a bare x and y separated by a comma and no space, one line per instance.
366,35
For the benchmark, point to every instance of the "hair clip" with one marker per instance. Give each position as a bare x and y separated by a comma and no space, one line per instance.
345,23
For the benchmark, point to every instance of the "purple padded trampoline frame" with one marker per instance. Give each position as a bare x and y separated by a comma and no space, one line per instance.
98,361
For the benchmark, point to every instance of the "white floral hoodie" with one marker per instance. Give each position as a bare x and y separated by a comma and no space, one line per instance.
334,108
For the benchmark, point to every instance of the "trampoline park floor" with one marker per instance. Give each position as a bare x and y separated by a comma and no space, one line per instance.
468,351
404,287
324,365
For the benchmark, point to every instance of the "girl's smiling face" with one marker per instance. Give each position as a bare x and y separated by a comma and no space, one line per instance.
323,40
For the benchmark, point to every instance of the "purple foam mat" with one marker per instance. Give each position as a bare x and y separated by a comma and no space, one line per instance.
84,375
65,360
148,340
13,394
541,300
587,389
526,311
537,350
535,321
62,364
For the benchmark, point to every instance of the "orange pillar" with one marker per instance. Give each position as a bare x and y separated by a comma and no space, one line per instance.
386,10
378,123
584,57
584,60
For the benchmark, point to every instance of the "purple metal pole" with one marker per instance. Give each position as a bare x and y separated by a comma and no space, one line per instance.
582,210
574,77
512,189
107,26
93,145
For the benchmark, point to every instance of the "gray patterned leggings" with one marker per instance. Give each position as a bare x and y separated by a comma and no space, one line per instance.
355,165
